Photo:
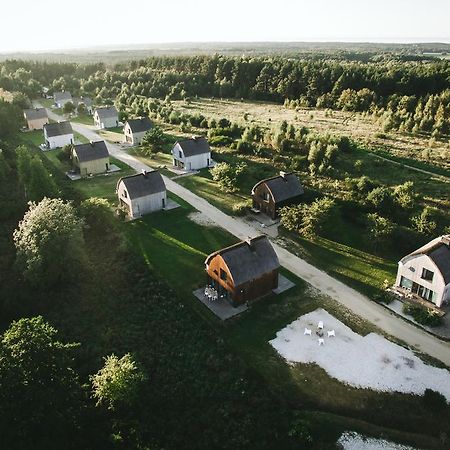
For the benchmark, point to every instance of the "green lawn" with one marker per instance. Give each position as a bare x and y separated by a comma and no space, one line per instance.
112,134
157,161
83,118
35,137
103,186
175,248
79,138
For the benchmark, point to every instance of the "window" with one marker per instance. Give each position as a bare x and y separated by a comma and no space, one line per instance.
264,196
405,283
124,193
223,275
180,154
427,274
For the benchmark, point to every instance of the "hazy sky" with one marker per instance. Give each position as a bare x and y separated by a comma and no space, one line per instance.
58,24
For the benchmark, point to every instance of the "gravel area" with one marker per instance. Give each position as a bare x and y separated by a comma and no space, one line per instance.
367,362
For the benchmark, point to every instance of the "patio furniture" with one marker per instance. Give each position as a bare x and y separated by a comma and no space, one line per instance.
307,331
320,325
331,333
321,341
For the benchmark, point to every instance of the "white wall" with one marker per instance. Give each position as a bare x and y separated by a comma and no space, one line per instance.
411,268
142,205
59,141
108,122
195,162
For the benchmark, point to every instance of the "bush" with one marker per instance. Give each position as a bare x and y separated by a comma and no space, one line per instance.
422,315
239,209
434,401
221,141
383,297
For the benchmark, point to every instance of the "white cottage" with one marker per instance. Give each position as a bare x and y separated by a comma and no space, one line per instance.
192,154
106,117
58,134
426,271
142,193
135,129
61,98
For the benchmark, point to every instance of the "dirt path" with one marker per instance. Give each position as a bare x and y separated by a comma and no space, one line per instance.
356,302
417,169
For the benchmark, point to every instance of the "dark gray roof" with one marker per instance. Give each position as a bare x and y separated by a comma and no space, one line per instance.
91,151
283,186
141,184
140,125
87,101
36,113
106,111
194,146
66,95
441,257
249,260
58,129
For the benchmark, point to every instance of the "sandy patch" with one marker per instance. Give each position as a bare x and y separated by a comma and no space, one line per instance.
370,361
354,441
201,219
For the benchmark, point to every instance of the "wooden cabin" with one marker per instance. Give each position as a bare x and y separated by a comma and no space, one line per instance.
271,194
245,271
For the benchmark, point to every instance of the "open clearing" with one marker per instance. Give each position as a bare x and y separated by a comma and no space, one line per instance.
367,362
356,125
354,441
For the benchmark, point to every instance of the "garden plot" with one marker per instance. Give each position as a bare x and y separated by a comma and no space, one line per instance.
368,362
354,441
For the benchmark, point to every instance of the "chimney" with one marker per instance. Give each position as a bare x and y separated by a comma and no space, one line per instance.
446,240
144,172
92,143
283,174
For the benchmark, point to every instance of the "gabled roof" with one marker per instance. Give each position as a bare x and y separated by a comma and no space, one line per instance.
107,112
65,95
248,260
140,125
36,113
283,186
58,129
438,250
87,101
91,151
143,184
194,146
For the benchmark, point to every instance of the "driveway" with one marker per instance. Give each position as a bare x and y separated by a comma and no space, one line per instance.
353,300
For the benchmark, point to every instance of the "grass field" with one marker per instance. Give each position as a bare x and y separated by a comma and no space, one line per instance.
112,134
356,125
83,118
103,186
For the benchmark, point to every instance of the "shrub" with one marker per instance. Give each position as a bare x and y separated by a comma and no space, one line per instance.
383,297
221,141
239,209
434,401
422,315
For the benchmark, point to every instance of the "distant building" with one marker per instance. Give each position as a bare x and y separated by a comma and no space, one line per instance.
86,101
135,129
244,271
58,134
426,271
271,194
90,159
142,193
106,117
36,118
192,154
61,98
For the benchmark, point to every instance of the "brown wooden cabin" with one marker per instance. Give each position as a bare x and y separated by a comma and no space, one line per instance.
271,194
245,271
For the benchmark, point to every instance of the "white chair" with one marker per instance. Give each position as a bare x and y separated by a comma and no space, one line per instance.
307,331
321,341
320,325
331,333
